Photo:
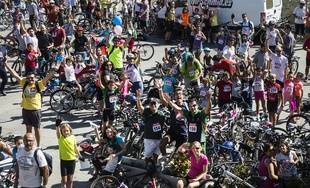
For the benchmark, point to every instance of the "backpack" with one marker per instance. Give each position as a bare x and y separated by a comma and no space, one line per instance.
49,160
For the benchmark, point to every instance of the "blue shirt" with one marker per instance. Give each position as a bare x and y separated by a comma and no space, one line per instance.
169,82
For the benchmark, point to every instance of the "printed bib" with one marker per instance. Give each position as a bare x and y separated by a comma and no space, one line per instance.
113,99
156,127
227,88
273,90
192,127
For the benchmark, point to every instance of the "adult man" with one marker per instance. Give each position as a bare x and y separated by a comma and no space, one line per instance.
115,53
261,58
33,13
247,27
288,42
3,74
191,70
52,12
59,35
144,15
30,37
300,16
153,128
29,168
278,65
45,42
31,100
306,47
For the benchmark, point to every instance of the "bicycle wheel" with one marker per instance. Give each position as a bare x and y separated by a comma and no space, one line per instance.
146,51
17,67
86,24
62,101
105,182
294,66
298,122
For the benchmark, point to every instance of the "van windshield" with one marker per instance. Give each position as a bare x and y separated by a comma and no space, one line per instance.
269,4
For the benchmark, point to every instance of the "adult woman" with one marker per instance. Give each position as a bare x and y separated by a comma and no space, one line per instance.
133,72
170,19
287,160
268,167
185,22
199,166
273,36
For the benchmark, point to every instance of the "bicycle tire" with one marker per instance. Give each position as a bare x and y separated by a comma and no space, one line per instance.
295,66
146,51
86,24
211,183
66,106
301,120
17,67
107,181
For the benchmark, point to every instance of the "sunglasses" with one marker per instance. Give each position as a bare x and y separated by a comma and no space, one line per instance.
194,105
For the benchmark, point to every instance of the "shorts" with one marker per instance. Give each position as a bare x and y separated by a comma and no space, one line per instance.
300,29
298,101
32,118
280,83
272,106
308,62
259,95
99,94
108,115
187,178
136,86
67,168
151,147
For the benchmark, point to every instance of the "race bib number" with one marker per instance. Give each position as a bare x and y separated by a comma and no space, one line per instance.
113,99
220,41
1,54
192,128
258,87
289,90
156,127
168,82
191,73
203,93
227,88
274,90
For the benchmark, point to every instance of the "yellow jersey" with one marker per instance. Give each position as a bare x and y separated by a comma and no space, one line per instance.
31,98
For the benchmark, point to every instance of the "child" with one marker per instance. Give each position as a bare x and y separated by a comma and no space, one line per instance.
288,94
247,89
259,91
236,89
18,141
274,98
169,81
70,73
125,85
224,88
298,90
205,94
68,152
207,60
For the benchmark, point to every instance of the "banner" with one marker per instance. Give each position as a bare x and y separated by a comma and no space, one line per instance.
213,3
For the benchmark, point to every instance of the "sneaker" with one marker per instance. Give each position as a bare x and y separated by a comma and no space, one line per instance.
3,93
306,79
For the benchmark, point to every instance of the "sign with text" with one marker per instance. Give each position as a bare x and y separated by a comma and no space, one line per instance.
213,3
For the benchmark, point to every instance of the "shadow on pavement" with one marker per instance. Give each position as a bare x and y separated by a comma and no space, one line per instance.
76,184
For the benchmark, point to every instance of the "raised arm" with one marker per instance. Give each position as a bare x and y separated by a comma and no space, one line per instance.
12,72
49,76
139,103
175,107
162,97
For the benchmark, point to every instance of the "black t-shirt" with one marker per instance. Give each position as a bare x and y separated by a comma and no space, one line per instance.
44,40
246,88
153,124
178,123
110,98
80,43
195,123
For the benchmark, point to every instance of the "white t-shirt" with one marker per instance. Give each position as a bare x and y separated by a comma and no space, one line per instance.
258,84
133,73
286,169
278,66
34,40
271,37
301,14
29,172
229,52
70,73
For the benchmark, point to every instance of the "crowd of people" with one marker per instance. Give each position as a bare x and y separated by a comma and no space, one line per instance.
264,77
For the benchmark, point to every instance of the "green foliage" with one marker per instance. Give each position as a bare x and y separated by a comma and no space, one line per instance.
180,165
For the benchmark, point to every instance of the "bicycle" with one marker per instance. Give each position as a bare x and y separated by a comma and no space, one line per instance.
146,51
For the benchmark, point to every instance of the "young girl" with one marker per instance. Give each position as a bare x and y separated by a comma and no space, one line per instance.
70,73
288,94
125,85
259,91
274,98
247,89
298,90
68,152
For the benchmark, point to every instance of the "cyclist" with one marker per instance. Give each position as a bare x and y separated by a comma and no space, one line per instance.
225,90
288,43
59,35
52,11
45,42
247,26
191,70
31,61
154,123
300,15
144,15
273,36
133,72
198,171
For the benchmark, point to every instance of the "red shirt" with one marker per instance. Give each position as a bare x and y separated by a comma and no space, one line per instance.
31,59
273,90
307,45
225,65
225,88
52,13
58,36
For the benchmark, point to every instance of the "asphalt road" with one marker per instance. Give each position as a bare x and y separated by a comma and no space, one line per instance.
10,119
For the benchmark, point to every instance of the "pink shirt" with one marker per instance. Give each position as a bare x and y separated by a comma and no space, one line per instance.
288,88
125,87
196,165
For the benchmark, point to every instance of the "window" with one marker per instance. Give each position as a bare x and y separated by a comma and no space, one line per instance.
269,4
277,3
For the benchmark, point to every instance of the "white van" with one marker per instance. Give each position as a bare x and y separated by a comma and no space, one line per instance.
256,10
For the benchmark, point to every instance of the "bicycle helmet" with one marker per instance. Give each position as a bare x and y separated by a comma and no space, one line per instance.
228,145
197,17
172,52
271,23
206,49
